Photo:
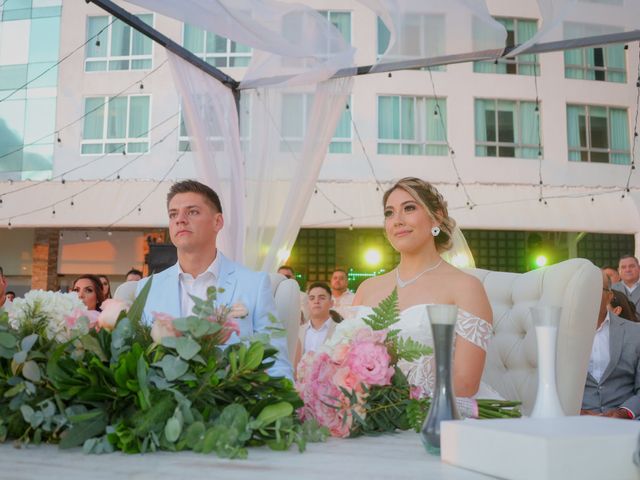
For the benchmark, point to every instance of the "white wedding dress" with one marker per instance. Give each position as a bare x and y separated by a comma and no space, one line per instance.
414,323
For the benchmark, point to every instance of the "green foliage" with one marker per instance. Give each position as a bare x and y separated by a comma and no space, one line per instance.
385,314
118,390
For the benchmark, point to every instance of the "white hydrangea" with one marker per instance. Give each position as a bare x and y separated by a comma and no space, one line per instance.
344,331
40,305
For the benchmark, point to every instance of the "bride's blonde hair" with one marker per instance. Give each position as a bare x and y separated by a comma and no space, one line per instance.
434,203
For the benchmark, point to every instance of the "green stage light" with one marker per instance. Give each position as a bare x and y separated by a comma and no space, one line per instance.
373,257
541,260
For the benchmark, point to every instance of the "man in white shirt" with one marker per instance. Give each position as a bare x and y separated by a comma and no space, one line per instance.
612,388
320,326
629,271
195,219
341,295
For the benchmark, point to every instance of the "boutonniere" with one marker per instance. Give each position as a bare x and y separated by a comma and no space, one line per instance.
238,310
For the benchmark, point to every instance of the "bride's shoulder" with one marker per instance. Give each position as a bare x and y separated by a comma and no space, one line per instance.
470,294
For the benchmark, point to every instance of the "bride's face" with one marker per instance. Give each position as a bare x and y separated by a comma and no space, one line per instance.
407,222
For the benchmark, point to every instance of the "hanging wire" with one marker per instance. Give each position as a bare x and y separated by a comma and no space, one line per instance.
452,153
632,167
364,150
25,85
335,206
99,181
541,198
158,183
109,100
93,160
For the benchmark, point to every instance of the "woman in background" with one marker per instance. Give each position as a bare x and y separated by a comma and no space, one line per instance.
89,290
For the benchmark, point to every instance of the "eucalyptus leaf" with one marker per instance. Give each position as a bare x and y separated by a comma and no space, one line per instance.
173,367
195,434
27,413
81,432
28,342
274,412
7,340
187,347
172,429
31,371
20,357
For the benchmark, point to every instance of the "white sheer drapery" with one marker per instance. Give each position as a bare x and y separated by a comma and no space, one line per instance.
572,19
435,28
296,51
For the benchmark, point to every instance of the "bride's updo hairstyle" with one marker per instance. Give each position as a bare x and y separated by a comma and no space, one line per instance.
428,196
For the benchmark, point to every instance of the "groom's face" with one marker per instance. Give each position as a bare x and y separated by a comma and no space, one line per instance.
193,222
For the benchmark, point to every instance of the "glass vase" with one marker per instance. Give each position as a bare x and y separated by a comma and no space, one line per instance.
443,403
546,320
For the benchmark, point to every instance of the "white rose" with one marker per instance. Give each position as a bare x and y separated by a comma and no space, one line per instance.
238,310
111,309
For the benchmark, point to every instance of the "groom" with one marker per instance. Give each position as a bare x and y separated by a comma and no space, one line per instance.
195,219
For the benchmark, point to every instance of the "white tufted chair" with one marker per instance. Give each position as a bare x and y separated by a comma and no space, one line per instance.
286,293
511,366
126,292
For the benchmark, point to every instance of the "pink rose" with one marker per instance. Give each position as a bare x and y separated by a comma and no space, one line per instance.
228,328
367,334
340,352
111,309
72,319
370,362
163,327
347,379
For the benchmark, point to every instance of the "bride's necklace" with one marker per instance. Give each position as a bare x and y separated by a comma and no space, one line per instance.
403,283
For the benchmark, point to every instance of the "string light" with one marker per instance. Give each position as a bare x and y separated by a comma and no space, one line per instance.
632,167
364,150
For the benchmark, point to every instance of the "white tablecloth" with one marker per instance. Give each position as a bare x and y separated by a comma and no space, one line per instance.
398,456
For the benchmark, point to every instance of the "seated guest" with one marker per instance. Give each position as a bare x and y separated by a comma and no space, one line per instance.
342,296
612,273
133,275
612,388
621,306
195,218
4,301
629,271
11,295
106,286
288,272
320,326
89,289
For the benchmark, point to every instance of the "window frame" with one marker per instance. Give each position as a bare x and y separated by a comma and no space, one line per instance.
227,55
586,69
108,59
327,14
588,149
104,140
406,142
516,144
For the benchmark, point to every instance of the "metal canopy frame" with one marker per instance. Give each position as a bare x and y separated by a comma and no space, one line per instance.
234,85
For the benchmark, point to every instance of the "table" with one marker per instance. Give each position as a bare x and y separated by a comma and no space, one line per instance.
394,456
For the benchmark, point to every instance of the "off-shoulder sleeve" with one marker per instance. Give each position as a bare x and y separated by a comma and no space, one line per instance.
474,329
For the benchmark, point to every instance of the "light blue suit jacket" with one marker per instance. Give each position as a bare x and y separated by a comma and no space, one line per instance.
240,284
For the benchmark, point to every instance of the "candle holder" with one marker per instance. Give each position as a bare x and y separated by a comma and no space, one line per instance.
443,403
546,320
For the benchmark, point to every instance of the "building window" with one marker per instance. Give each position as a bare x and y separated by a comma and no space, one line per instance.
340,20
606,64
116,125
29,9
507,128
430,29
216,141
295,116
214,49
119,47
598,134
518,32
412,125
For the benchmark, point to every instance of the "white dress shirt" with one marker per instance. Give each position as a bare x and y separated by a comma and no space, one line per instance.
196,286
344,300
600,354
315,338
631,288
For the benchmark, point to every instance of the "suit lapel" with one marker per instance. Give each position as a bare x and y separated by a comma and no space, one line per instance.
226,280
616,335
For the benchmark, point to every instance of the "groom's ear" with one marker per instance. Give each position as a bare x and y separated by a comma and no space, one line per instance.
218,222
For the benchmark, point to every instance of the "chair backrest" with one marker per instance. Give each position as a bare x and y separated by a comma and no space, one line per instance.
511,365
286,294
126,292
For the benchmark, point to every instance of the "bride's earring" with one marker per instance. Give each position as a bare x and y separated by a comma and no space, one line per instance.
435,231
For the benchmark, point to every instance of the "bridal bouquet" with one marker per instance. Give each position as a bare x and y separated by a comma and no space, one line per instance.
111,383
353,384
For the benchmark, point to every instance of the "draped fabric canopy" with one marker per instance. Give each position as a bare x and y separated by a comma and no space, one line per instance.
265,161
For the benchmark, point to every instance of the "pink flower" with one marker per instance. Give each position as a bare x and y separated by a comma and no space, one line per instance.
347,379
163,327
417,393
340,352
228,328
72,319
370,362
111,309
369,335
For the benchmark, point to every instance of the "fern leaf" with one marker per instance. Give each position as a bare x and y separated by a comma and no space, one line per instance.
385,314
410,350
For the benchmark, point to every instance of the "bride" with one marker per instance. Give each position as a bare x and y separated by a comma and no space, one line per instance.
418,226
